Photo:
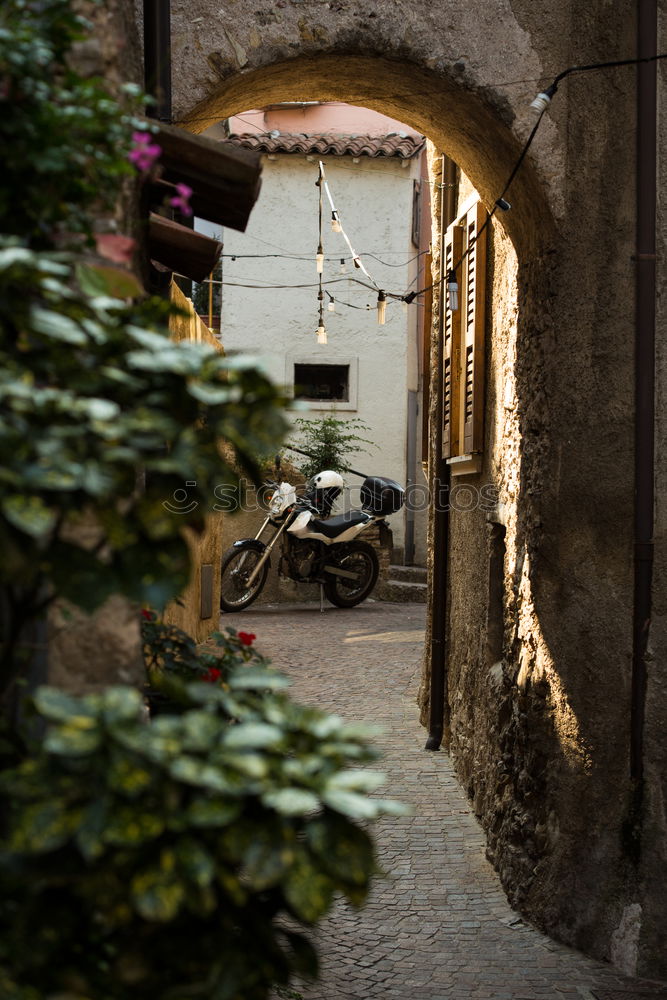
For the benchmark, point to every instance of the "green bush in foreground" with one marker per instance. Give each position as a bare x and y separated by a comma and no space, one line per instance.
161,860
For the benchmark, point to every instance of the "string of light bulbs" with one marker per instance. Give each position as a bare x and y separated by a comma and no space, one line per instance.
539,104
337,227
319,260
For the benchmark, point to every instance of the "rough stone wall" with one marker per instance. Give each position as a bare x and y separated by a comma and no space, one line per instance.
89,652
540,734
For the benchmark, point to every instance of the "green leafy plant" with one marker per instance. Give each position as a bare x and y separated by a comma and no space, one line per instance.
92,391
64,140
173,659
104,419
161,860
328,442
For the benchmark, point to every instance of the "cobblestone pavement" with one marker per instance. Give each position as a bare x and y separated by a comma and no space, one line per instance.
438,926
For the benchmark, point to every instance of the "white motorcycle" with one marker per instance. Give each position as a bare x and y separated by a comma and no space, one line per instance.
315,547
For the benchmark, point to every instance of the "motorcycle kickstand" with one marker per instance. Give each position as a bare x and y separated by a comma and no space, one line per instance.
321,598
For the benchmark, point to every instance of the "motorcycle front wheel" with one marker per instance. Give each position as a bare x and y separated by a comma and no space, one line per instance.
360,559
237,565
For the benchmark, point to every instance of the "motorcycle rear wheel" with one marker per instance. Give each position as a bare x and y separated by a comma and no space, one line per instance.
237,565
359,558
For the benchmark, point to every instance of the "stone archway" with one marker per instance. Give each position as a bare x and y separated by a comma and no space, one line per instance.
474,132
476,137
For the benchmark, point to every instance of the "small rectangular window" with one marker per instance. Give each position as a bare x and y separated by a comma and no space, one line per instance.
322,383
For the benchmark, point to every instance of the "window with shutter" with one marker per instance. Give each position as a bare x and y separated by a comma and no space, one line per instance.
463,345
473,333
451,352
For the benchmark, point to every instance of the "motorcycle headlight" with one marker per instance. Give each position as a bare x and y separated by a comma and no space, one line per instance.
276,504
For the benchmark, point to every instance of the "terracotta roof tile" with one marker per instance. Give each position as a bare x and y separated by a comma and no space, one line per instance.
331,144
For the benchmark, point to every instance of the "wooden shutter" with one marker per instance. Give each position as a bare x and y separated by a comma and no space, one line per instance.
474,293
416,212
451,349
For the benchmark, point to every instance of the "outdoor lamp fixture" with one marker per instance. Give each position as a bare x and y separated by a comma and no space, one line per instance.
332,303
335,222
453,291
319,259
321,332
382,308
343,269
543,99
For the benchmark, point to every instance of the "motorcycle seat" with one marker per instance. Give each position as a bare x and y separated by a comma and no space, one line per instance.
335,526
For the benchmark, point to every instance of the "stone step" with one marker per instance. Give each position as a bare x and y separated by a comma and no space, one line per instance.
401,592
409,574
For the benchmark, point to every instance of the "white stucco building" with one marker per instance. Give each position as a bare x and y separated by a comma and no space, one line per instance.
376,172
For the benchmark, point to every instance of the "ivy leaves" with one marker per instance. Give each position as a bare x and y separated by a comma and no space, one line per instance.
92,391
191,835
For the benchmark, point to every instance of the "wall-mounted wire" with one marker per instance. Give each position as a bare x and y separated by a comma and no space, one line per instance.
540,104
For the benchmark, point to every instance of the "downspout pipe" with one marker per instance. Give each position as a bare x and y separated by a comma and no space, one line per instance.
645,261
441,482
157,58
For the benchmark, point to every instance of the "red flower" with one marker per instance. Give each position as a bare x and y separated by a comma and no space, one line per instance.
212,675
147,615
246,638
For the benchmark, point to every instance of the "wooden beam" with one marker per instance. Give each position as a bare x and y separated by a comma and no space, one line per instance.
181,249
225,180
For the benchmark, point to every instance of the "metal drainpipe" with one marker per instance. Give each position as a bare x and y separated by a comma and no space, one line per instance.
644,372
157,57
441,486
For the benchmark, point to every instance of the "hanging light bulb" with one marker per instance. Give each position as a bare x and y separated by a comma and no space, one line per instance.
321,334
543,99
332,304
453,291
382,308
319,259
335,222
343,269
356,262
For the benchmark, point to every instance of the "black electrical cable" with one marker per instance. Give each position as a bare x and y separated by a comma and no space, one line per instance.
328,260
500,201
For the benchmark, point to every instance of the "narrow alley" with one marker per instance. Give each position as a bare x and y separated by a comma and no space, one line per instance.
438,925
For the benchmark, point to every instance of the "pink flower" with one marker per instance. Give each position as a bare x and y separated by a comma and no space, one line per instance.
181,201
246,638
144,153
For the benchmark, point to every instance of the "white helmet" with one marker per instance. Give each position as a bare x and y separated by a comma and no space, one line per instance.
326,480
